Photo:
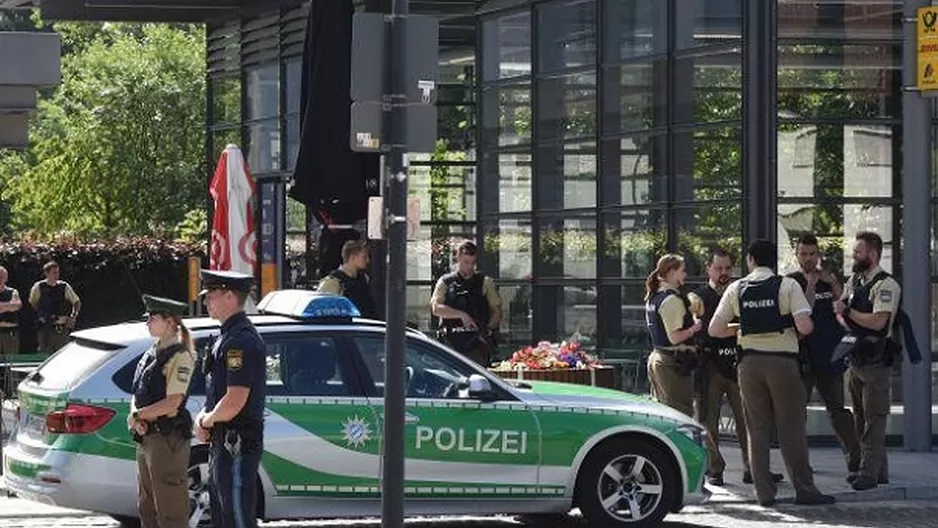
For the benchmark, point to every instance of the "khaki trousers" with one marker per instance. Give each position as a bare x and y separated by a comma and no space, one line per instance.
9,342
51,339
718,386
774,398
668,386
869,391
163,481
831,388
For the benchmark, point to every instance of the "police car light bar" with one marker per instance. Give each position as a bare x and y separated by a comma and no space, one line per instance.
306,304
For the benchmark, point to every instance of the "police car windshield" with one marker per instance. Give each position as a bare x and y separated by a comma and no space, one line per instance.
70,365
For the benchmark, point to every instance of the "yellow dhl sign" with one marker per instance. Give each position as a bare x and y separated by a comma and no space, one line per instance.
927,44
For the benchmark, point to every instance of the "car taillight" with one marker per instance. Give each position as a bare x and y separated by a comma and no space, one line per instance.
78,418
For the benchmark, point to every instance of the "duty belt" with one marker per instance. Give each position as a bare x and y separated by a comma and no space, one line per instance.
743,352
673,352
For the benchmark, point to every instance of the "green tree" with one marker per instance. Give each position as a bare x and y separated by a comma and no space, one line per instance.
118,148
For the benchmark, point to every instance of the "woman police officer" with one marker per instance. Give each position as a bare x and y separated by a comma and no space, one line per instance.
159,421
671,326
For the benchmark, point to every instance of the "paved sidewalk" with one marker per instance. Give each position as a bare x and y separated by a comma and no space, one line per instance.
912,476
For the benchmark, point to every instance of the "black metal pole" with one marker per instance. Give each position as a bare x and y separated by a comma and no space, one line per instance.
392,483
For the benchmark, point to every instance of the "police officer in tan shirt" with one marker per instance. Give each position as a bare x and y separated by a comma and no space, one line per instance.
770,308
868,310
671,327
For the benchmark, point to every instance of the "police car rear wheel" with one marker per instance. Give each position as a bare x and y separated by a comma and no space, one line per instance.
626,482
199,504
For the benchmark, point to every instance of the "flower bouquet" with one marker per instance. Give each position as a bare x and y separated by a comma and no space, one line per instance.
549,356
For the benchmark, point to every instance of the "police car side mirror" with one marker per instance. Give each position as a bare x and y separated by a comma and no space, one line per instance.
480,388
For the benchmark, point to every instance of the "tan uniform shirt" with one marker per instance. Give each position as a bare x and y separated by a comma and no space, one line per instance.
885,295
488,290
70,295
178,373
330,284
672,310
791,300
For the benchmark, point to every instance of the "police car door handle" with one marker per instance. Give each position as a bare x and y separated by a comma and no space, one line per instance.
410,418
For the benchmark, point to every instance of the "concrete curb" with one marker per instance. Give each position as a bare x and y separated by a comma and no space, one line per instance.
884,493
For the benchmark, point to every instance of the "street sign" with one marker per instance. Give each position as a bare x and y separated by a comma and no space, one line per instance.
370,101
927,49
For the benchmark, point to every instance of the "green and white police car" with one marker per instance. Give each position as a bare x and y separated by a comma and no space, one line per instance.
474,443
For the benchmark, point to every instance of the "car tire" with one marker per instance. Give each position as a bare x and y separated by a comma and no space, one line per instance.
623,474
198,484
127,522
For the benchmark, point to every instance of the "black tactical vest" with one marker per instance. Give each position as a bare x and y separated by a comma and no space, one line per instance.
468,296
759,312
654,322
357,290
827,333
52,300
149,384
860,301
6,295
723,351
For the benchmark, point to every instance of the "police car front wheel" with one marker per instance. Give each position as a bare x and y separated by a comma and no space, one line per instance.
627,482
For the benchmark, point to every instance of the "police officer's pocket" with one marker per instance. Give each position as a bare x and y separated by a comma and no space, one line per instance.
685,363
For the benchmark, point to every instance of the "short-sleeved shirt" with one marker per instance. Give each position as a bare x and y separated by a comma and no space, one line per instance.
70,294
791,300
238,360
330,284
178,372
489,290
885,295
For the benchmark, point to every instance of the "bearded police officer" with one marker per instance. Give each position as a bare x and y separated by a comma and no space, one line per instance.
867,310
469,307
158,419
671,329
235,388
821,288
769,309
351,278
718,370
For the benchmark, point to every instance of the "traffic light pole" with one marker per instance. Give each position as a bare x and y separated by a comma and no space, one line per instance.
392,481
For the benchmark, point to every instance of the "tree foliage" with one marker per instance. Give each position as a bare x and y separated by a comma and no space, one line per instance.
118,147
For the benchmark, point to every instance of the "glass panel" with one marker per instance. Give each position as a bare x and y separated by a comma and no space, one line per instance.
226,101
517,310
567,107
635,96
634,27
700,22
263,92
294,79
297,365
568,312
843,19
633,242
708,164
704,227
840,223
830,248
446,189
292,140
566,176
430,256
708,87
509,242
567,247
506,115
506,46
223,138
837,160
418,306
634,170
296,215
838,81
263,141
566,34
456,126
513,182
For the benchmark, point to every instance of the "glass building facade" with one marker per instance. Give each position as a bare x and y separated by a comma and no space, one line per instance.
582,139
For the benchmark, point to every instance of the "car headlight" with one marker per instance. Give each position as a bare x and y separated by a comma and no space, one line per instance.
694,433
